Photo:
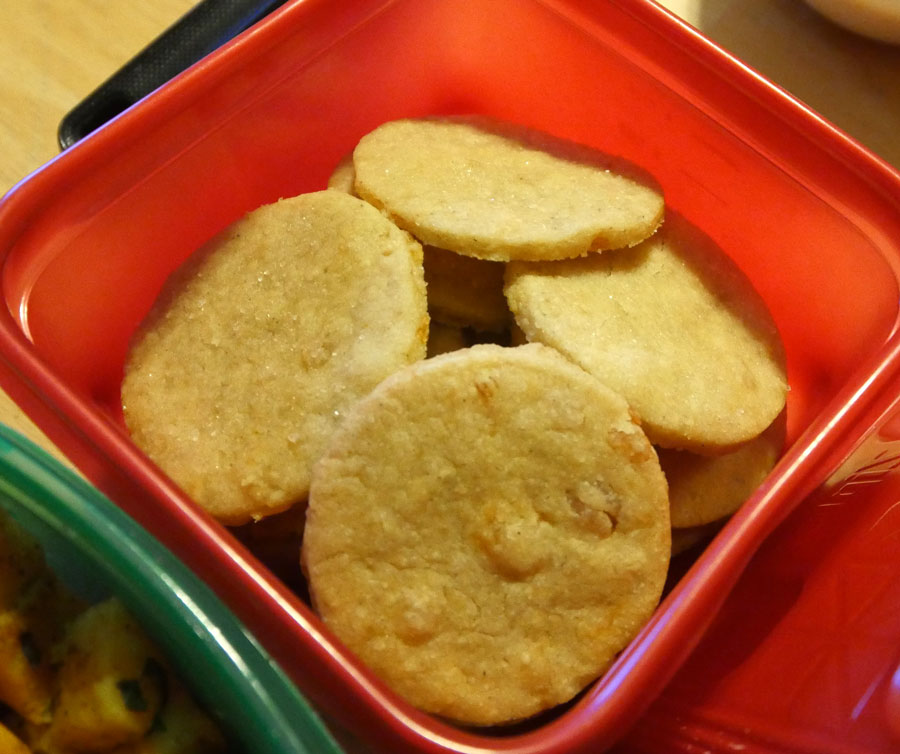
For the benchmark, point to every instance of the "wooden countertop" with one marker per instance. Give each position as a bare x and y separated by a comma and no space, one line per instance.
55,52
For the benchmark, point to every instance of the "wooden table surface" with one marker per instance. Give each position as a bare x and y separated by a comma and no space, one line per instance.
55,52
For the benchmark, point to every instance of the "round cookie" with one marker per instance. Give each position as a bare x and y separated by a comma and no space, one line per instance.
259,344
462,291
500,192
673,325
487,531
465,291
444,338
343,175
703,489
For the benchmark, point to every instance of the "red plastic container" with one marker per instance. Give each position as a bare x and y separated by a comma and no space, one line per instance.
810,216
804,657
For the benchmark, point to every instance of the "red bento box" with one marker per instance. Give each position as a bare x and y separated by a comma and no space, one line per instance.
810,216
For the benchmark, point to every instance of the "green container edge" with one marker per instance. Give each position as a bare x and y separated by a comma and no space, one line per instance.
254,701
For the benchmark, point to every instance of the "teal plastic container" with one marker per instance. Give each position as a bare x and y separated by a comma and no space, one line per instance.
99,551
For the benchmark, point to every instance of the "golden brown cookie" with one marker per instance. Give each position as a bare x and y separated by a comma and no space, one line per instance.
462,291
465,291
673,325
487,530
516,336
498,191
343,175
703,489
262,341
444,338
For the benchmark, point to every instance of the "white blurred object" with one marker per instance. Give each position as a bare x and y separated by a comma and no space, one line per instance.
878,19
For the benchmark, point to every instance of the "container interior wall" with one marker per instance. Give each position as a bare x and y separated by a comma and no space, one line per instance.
87,271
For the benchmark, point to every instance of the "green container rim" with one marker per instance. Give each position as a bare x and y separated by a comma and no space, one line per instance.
258,707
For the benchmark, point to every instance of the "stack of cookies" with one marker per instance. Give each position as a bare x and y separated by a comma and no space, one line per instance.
499,379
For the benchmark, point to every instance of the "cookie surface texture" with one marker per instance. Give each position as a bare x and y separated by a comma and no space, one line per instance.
263,339
673,325
465,291
703,489
462,291
487,531
444,338
500,192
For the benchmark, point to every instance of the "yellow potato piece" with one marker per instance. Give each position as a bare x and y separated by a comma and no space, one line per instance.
673,325
111,682
496,191
26,684
30,626
183,728
488,529
263,340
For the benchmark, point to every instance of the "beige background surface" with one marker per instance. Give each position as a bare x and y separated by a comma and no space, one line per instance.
55,52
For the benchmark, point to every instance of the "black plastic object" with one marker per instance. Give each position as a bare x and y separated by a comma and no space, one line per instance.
201,30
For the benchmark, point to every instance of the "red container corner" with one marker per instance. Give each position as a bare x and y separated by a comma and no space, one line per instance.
810,216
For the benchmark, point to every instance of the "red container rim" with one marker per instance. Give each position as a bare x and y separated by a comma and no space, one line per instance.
604,713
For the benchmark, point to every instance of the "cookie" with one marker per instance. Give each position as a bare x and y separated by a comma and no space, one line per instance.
673,325
497,191
487,530
343,175
703,489
462,291
445,338
261,342
465,291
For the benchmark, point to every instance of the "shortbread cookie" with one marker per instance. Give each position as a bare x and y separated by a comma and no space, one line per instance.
497,191
462,291
488,529
445,338
516,336
673,325
263,340
703,489
465,291
343,176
